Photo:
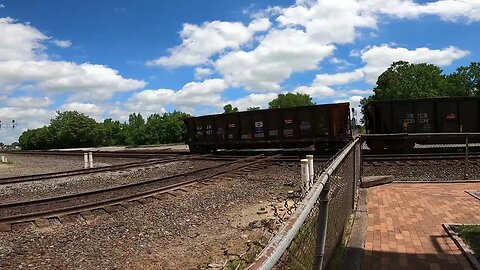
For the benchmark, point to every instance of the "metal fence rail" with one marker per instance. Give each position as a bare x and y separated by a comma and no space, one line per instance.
308,239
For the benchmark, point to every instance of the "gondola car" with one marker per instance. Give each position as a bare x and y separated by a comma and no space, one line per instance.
429,115
325,126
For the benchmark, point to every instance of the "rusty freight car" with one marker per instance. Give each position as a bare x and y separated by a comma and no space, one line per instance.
325,126
427,116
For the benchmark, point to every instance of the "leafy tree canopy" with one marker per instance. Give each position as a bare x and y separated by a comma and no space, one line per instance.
403,80
290,100
73,129
229,109
253,108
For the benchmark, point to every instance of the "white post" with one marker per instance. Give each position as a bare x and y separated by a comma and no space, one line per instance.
3,159
90,156
310,168
304,182
85,160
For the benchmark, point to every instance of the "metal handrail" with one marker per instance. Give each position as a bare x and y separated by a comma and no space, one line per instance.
282,240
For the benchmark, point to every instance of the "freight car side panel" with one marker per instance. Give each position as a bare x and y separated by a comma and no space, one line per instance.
403,117
246,127
447,116
424,116
259,125
322,122
274,124
305,123
381,118
468,113
223,128
289,129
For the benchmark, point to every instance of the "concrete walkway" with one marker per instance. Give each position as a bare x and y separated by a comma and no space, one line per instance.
405,225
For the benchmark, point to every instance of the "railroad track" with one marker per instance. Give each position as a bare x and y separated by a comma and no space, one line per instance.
53,175
83,203
422,156
111,154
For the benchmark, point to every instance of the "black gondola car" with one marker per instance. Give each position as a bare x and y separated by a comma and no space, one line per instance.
432,115
325,126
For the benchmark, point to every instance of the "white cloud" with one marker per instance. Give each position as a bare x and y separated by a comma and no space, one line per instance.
84,80
89,109
378,58
328,21
201,73
62,43
2,5
206,93
20,41
253,100
338,78
24,65
316,91
278,55
201,42
449,10
28,102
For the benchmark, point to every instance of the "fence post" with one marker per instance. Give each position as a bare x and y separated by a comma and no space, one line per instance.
354,188
322,226
85,160
465,170
305,176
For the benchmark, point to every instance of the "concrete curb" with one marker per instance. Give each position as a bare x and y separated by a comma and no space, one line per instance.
372,181
355,248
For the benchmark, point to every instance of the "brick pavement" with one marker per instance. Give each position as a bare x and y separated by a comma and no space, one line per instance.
405,225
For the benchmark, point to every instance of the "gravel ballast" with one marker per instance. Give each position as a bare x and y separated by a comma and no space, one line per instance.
203,228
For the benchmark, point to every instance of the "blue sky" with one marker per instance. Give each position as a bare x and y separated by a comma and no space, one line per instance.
112,58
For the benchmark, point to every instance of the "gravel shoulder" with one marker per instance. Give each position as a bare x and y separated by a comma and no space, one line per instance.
81,183
203,228
36,164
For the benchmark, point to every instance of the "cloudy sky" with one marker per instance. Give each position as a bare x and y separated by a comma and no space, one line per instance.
112,58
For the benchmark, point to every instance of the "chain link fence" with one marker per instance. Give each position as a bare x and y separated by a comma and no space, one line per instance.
436,157
309,237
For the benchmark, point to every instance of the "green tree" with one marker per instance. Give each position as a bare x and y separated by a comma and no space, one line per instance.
73,129
403,80
467,78
229,109
253,108
114,132
290,100
136,130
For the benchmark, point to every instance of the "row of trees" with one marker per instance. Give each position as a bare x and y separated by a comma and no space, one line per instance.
403,80
72,129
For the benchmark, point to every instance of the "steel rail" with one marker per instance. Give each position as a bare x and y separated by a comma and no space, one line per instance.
53,175
82,205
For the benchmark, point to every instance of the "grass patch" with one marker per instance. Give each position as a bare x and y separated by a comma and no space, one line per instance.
471,236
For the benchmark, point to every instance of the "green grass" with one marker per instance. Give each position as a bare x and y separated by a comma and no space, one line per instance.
471,235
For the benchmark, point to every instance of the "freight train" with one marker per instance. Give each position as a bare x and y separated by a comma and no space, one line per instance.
431,115
327,127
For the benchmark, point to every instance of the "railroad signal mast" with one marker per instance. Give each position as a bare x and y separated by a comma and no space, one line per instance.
5,126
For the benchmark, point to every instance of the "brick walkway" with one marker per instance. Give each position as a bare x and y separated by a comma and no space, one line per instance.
405,225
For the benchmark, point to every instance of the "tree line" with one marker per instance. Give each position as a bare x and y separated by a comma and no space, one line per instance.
72,129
